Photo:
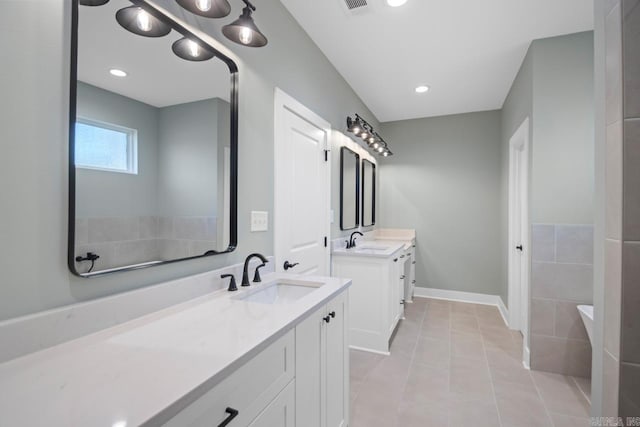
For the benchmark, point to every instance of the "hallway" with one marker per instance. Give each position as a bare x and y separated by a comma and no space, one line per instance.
457,364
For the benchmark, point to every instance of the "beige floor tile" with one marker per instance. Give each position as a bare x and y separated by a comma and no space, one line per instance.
561,395
432,352
476,414
463,307
471,348
362,362
520,406
464,323
470,380
422,414
568,421
426,384
584,384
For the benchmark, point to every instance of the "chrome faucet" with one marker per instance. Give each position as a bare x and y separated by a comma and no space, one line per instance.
351,243
245,271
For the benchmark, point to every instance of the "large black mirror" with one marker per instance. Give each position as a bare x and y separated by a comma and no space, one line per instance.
349,189
368,193
153,149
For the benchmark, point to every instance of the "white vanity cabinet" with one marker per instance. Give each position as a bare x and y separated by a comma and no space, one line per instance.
249,390
322,366
302,379
375,296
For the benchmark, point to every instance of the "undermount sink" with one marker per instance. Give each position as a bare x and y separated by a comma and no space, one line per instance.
280,292
371,248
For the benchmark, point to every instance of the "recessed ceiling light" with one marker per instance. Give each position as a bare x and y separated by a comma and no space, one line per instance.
422,89
396,3
118,73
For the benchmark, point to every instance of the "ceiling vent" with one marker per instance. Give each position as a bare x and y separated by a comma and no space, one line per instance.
355,4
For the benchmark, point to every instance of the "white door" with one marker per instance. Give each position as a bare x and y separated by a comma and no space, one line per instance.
302,185
519,234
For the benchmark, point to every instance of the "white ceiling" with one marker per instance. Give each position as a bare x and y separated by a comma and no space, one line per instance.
156,76
467,51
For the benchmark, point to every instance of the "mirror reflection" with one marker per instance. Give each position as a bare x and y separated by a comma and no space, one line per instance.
153,147
368,193
349,189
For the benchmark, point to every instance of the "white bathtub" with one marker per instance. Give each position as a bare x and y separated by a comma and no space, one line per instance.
586,312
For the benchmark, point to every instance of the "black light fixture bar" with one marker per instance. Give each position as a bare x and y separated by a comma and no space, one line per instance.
363,129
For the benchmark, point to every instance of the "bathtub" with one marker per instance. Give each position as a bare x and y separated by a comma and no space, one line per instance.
586,312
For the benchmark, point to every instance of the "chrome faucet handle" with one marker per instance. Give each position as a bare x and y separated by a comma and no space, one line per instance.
232,282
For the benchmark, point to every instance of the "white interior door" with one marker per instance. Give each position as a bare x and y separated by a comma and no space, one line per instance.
519,251
302,188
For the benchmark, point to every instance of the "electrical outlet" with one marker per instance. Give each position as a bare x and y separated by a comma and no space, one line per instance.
259,221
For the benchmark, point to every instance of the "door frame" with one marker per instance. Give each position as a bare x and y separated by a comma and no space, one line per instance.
283,102
519,287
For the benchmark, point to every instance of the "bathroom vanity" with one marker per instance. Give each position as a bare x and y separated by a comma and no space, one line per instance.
273,354
382,271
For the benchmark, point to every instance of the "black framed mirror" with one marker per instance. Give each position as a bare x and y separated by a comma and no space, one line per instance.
349,189
368,193
153,141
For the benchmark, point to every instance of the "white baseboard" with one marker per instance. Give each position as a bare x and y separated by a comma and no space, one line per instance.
526,357
470,297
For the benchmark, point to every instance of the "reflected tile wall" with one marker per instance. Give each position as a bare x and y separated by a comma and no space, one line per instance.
561,279
134,240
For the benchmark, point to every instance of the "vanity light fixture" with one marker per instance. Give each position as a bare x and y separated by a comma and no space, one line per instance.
243,30
207,8
360,127
117,72
422,89
93,2
190,50
140,22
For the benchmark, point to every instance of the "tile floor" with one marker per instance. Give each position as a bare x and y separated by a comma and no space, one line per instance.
456,364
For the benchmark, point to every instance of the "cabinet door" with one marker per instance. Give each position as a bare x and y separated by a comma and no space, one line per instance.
310,368
337,367
280,412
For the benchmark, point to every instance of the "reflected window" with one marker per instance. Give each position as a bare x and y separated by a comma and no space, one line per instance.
106,147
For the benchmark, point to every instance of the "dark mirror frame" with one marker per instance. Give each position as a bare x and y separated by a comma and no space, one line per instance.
233,70
343,150
373,192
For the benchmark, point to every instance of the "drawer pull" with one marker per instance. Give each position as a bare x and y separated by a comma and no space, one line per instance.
413,263
401,256
332,314
395,260
402,302
326,319
413,282
401,277
232,414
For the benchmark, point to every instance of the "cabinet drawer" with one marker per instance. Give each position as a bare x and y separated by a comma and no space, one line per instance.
280,412
248,390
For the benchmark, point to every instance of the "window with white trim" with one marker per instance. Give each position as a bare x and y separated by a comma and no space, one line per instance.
106,147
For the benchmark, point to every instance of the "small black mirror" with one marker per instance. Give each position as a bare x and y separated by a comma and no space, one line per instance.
349,189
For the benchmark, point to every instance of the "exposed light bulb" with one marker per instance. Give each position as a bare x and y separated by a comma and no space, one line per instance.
376,145
372,140
193,47
364,135
203,5
143,19
380,149
422,89
385,154
246,35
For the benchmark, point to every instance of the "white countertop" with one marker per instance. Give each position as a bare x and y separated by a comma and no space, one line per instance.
373,248
148,369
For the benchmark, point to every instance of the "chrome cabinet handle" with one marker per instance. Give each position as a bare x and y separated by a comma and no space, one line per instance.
232,414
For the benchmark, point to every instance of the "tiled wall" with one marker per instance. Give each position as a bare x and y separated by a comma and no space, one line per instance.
621,358
561,278
135,240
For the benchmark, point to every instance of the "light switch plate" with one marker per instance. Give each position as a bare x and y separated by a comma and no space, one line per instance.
259,221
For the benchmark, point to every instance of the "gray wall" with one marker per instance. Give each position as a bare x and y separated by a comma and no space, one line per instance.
99,193
33,131
188,184
444,180
563,142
